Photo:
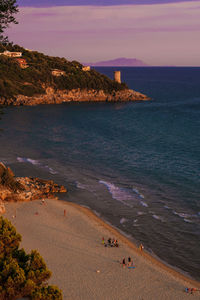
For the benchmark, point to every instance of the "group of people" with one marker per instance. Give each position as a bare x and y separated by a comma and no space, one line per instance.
111,242
191,290
128,264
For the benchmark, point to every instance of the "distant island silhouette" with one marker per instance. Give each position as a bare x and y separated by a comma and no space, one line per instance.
119,62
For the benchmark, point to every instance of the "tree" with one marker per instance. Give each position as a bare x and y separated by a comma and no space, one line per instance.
7,9
22,274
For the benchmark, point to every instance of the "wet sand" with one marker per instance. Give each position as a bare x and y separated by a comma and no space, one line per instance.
82,267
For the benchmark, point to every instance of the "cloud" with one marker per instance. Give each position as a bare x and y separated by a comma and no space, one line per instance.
53,3
166,34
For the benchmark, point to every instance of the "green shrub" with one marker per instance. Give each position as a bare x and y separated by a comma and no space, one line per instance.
21,274
46,293
8,180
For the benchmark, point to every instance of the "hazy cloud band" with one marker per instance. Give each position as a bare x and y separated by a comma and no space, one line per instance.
166,34
50,3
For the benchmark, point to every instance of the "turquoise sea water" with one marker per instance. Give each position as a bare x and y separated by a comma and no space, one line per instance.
137,165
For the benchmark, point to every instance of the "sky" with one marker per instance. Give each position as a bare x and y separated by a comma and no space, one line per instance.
159,32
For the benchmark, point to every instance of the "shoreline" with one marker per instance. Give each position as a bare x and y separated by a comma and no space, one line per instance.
72,248
52,96
145,254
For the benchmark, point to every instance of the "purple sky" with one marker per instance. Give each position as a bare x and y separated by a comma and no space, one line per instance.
48,3
159,34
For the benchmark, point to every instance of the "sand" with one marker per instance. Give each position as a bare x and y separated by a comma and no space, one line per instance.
82,267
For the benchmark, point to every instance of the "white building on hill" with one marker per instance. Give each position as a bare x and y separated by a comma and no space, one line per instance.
12,54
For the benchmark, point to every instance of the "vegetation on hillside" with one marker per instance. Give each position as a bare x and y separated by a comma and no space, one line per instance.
8,180
8,8
37,77
22,274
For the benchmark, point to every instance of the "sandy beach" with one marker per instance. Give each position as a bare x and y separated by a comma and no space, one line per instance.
82,267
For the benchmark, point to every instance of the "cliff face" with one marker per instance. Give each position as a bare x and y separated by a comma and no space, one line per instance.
76,95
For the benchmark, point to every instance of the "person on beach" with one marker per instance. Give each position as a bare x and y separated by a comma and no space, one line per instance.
124,262
109,241
129,261
64,212
141,247
103,241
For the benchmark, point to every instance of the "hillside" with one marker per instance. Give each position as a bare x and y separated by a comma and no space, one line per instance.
38,76
120,62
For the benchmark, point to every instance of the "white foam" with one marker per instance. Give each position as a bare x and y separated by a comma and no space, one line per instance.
181,215
118,193
21,159
123,220
80,186
29,160
144,204
184,216
138,193
157,217
167,207
135,221
97,213
135,190
51,170
187,221
140,213
35,163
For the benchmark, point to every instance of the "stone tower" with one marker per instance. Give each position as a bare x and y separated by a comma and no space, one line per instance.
117,76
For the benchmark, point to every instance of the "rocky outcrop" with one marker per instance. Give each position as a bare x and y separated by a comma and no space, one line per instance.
60,96
2,208
24,188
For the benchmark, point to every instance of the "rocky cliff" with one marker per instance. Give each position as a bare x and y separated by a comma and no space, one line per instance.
53,96
24,188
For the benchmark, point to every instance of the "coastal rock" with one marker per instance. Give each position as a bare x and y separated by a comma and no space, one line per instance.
24,188
2,208
76,95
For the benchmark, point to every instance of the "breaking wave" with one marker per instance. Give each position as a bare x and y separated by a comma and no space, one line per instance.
118,193
144,204
157,217
36,163
138,193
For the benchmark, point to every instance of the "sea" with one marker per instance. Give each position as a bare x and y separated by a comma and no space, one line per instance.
135,164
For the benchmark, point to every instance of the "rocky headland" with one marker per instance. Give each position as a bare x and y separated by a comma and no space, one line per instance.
13,189
36,78
53,96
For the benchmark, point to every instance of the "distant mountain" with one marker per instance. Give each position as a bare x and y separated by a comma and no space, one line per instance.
119,62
